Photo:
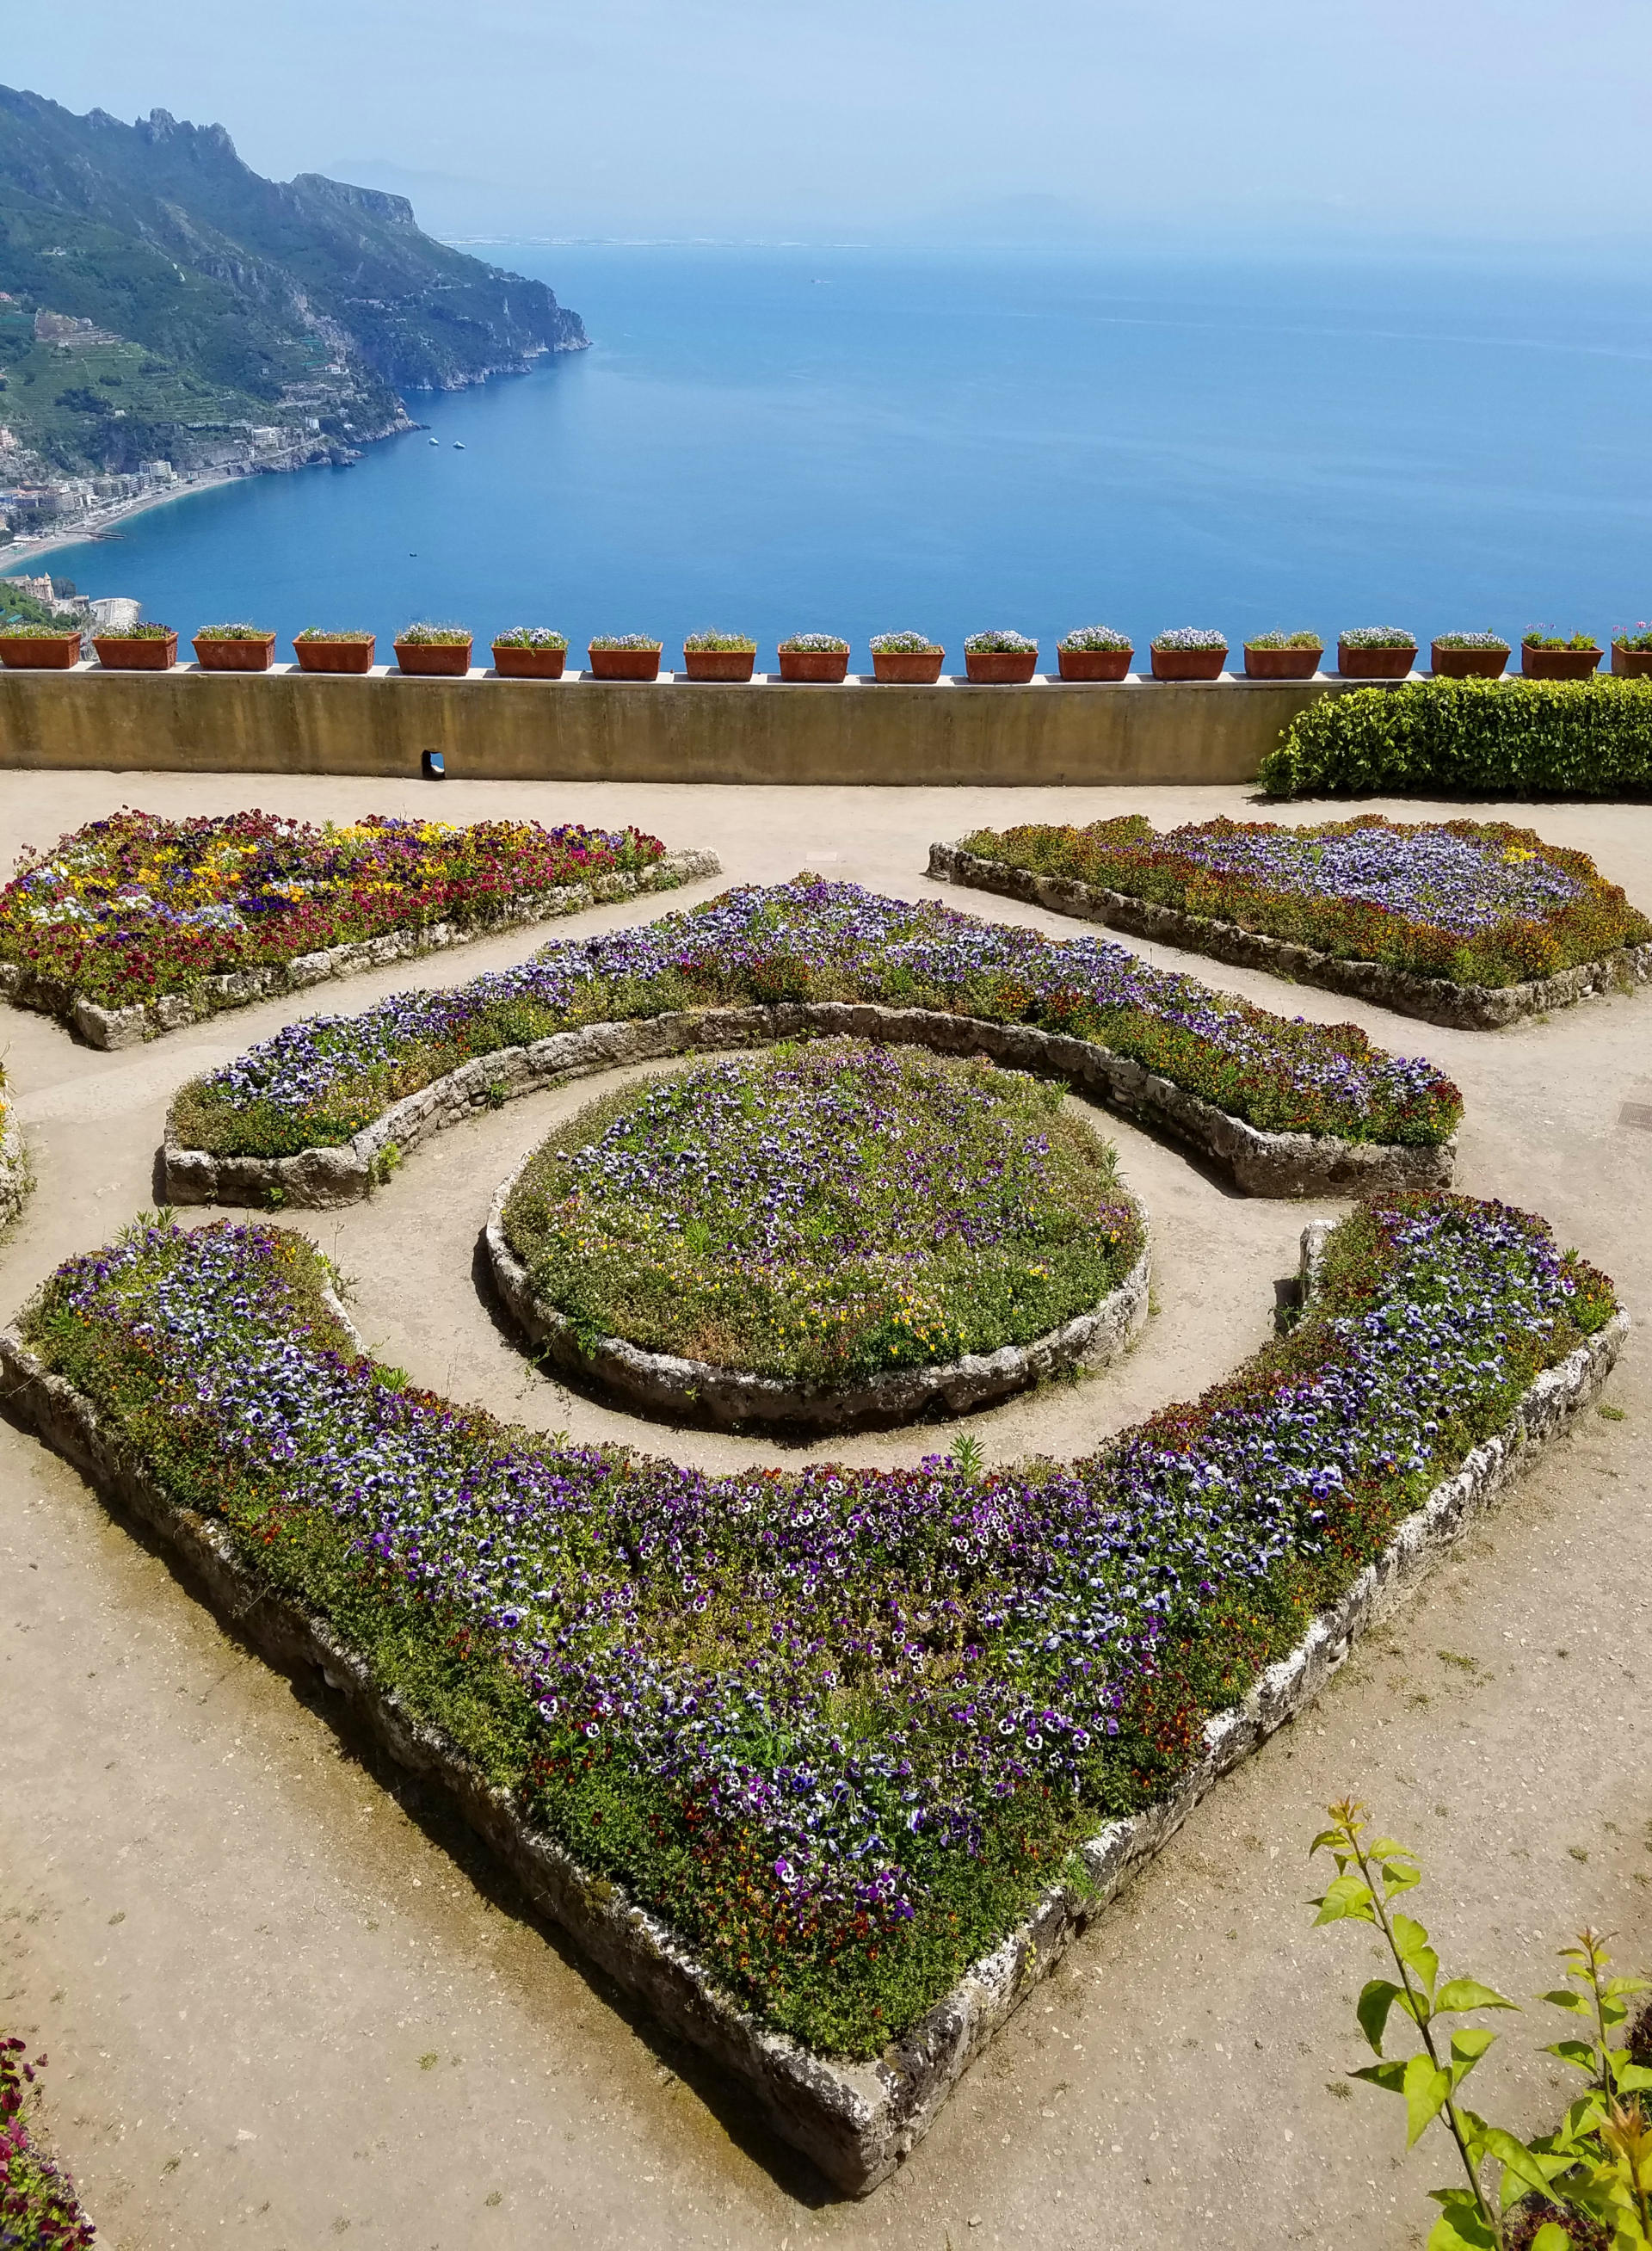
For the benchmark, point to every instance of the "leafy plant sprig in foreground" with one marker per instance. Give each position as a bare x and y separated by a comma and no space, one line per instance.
1597,2167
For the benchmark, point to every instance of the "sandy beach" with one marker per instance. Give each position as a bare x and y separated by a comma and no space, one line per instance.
96,522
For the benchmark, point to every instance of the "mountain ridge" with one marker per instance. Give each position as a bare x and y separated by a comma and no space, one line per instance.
225,303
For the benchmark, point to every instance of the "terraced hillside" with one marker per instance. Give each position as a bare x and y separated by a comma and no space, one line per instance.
159,295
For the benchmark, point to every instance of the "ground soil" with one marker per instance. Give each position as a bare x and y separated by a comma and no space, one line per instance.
285,2002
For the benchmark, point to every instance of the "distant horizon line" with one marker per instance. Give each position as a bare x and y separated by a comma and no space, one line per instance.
1203,247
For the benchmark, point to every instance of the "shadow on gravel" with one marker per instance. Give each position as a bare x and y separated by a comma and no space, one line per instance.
734,2111
738,2116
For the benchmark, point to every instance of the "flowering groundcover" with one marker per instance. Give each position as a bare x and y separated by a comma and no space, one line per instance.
841,1727
318,1082
1479,902
821,1214
39,2210
126,909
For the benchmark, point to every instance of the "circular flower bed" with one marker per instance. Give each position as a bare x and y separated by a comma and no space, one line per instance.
820,1217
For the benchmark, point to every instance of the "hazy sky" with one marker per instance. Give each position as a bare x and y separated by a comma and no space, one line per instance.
1424,120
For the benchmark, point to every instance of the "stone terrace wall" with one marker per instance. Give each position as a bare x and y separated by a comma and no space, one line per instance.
283,722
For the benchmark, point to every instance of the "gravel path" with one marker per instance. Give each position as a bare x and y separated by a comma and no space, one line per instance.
280,2001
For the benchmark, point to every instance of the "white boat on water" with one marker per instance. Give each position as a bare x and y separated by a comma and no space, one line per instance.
459,445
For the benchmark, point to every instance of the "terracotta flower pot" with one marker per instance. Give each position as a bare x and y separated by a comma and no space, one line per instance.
624,663
235,655
719,663
1095,664
447,658
1189,663
1000,667
1374,664
1281,663
149,655
1631,663
817,664
336,655
912,666
516,659
1557,663
1467,663
40,652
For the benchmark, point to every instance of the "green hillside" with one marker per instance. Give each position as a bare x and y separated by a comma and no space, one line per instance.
225,299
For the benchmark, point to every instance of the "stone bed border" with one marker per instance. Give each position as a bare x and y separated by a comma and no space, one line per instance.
1435,1000
681,1390
1260,1163
856,2121
171,1012
14,1163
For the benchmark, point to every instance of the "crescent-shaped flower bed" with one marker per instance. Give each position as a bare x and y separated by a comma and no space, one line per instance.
136,925
1470,924
824,1238
829,1765
316,1114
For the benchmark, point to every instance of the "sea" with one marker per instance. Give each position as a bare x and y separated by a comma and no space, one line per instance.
780,440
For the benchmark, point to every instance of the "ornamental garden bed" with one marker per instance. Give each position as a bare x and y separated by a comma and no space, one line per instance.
1468,923
319,1111
137,926
1475,738
824,1237
828,1767
39,2210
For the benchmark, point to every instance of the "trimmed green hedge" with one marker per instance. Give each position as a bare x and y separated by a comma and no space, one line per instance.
1470,738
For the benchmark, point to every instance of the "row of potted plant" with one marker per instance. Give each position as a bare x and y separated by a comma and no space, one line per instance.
1001,657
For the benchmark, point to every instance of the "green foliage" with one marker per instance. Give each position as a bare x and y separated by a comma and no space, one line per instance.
967,1459
1470,738
18,608
1596,2166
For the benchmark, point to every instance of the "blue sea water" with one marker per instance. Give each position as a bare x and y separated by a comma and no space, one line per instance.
785,440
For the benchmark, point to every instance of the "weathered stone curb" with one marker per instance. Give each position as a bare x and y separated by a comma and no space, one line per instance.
1261,1164
124,1027
14,1165
695,1391
856,2121
1463,1007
